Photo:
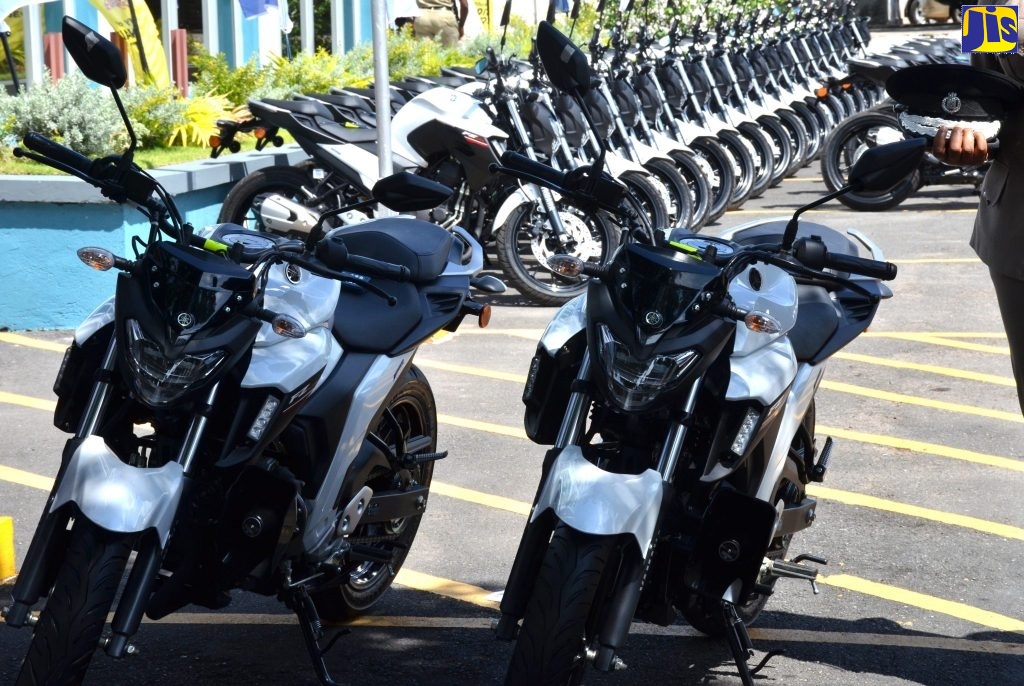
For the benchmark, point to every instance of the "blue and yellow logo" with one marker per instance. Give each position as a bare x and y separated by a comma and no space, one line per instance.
990,28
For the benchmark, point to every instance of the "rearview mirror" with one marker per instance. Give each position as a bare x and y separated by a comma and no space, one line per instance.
565,64
405,192
97,57
881,168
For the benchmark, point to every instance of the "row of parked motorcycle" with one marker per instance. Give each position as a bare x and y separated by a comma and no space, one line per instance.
695,123
245,413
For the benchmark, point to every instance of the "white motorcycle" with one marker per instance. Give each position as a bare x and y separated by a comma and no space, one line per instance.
245,411
678,395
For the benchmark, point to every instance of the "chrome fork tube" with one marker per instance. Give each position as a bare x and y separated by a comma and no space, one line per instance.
195,432
99,394
673,446
576,411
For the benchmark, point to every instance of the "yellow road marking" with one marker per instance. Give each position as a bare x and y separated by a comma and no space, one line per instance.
27,401
456,590
475,371
30,342
929,368
489,427
480,498
923,447
23,478
941,340
925,602
861,500
922,402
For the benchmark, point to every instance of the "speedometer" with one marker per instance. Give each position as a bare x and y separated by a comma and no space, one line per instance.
697,246
250,240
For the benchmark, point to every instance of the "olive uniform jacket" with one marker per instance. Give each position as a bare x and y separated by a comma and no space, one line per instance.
998,236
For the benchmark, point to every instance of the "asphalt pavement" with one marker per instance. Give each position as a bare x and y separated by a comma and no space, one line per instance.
920,516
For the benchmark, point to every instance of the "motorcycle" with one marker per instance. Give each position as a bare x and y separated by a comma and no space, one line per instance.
245,410
678,398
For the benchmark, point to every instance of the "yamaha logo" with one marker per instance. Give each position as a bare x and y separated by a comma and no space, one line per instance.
951,104
185,320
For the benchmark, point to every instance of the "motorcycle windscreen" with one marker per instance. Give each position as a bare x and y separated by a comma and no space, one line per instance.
661,285
734,537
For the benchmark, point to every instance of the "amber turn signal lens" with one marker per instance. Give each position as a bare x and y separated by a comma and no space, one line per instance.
259,132
215,141
821,92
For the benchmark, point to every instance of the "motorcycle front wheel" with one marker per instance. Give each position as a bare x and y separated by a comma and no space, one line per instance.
409,423
847,143
552,644
71,623
525,242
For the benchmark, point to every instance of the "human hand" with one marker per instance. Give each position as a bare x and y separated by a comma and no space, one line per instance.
960,146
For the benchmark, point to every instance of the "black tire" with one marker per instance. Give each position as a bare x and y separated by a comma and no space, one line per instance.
743,166
71,623
697,181
915,12
764,157
523,244
782,148
815,129
844,147
649,198
723,178
241,205
796,131
551,647
412,406
677,195
705,614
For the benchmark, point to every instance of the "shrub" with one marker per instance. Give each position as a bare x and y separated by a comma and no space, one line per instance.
156,113
214,77
69,111
199,122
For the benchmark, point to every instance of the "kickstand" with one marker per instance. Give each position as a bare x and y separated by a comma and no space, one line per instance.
740,645
313,632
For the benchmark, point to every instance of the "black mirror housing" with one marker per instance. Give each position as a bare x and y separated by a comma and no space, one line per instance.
405,192
96,56
881,168
565,64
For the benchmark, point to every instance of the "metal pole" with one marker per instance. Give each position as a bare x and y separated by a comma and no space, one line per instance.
5,32
381,82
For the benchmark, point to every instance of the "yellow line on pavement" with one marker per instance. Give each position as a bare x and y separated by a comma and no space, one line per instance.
23,478
27,401
480,498
945,340
923,447
904,399
861,500
489,427
925,602
475,371
929,368
456,590
30,342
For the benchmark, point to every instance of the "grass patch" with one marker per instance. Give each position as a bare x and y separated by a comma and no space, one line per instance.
147,159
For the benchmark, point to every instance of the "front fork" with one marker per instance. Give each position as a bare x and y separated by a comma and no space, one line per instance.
45,552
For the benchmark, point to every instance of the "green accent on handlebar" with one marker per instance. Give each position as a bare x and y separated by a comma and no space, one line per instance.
688,249
215,247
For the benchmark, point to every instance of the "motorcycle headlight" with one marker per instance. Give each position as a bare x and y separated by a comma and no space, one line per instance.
635,384
159,379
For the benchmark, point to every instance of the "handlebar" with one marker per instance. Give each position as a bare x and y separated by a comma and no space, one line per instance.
39,143
333,253
813,253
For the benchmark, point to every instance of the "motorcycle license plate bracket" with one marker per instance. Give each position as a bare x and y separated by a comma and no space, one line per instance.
735,534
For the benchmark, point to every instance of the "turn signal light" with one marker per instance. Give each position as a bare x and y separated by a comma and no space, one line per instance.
259,132
215,141
821,92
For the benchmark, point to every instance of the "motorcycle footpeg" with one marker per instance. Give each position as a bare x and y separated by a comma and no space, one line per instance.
795,570
410,460
821,466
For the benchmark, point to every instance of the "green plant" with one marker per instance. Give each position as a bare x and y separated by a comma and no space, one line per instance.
214,77
200,117
69,111
155,113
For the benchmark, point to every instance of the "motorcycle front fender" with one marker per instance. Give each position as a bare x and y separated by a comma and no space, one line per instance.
119,497
524,195
601,503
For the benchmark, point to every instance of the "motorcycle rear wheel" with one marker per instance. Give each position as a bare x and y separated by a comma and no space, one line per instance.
241,205
699,185
677,194
524,242
649,197
71,623
415,422
552,644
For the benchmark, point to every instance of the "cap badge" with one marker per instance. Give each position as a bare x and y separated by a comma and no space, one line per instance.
951,104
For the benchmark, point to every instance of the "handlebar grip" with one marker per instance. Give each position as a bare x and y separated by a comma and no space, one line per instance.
886,271
521,163
39,143
334,254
